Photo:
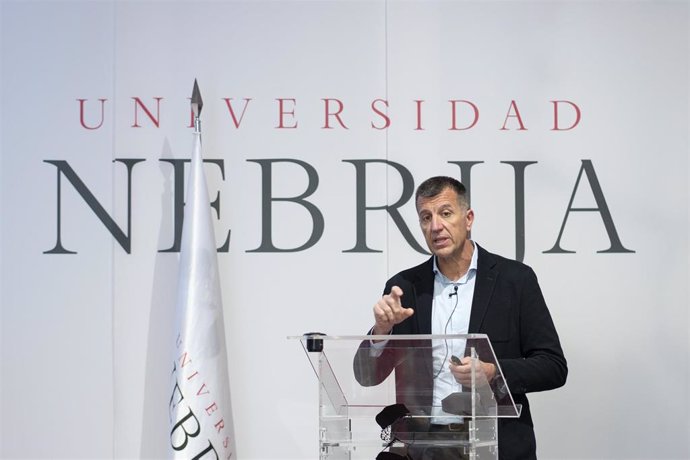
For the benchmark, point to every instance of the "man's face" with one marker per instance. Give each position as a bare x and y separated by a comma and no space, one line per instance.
445,224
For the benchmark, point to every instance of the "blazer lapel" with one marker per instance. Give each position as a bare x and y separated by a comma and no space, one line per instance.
483,290
423,285
424,296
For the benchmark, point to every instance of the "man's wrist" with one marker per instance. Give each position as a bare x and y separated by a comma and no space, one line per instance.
495,372
375,331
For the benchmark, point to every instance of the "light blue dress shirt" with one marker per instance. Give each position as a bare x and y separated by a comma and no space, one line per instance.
450,314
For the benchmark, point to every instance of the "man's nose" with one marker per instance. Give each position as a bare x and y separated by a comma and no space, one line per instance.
436,223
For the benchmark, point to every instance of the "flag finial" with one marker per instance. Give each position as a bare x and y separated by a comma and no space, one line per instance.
197,104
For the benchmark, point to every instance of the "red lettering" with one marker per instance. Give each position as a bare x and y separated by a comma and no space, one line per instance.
513,106
419,114
139,103
382,114
328,113
454,126
211,409
555,115
193,375
184,360
282,112
199,393
567,115
220,425
232,112
81,113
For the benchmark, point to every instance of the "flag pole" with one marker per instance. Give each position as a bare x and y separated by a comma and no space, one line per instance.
197,105
200,409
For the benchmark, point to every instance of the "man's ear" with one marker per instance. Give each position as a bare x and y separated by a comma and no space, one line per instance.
469,219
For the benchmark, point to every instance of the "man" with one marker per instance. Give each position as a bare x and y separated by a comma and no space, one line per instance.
464,289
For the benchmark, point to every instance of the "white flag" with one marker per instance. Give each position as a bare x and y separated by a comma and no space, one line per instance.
201,425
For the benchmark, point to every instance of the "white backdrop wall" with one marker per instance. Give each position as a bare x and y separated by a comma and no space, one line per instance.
86,336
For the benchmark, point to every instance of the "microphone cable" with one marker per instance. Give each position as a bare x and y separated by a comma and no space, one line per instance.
445,330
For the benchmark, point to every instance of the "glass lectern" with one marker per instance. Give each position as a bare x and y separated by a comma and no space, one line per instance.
396,393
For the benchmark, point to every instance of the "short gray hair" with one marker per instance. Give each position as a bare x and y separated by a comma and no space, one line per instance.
437,184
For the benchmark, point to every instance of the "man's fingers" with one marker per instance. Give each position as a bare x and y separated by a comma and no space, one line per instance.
396,293
383,313
388,311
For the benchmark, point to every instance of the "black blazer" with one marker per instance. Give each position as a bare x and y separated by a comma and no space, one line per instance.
509,307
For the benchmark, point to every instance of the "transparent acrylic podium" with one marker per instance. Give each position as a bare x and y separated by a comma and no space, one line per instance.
360,376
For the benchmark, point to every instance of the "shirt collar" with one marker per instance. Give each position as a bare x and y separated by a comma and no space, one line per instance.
470,271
